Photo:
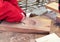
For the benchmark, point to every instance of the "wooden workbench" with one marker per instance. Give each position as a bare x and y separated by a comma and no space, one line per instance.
42,25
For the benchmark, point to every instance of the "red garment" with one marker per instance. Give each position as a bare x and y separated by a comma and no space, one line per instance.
10,11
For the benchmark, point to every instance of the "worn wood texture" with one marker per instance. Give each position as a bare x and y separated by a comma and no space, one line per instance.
53,6
40,25
55,28
10,32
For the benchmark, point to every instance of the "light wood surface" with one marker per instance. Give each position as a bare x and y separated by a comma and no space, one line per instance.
42,25
55,29
53,6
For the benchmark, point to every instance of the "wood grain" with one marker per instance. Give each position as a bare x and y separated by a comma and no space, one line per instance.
42,26
53,6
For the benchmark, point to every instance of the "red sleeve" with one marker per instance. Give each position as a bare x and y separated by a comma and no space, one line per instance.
10,13
1,1
15,3
3,10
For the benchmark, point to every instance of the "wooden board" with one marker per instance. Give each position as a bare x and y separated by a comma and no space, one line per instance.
53,6
41,25
58,15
